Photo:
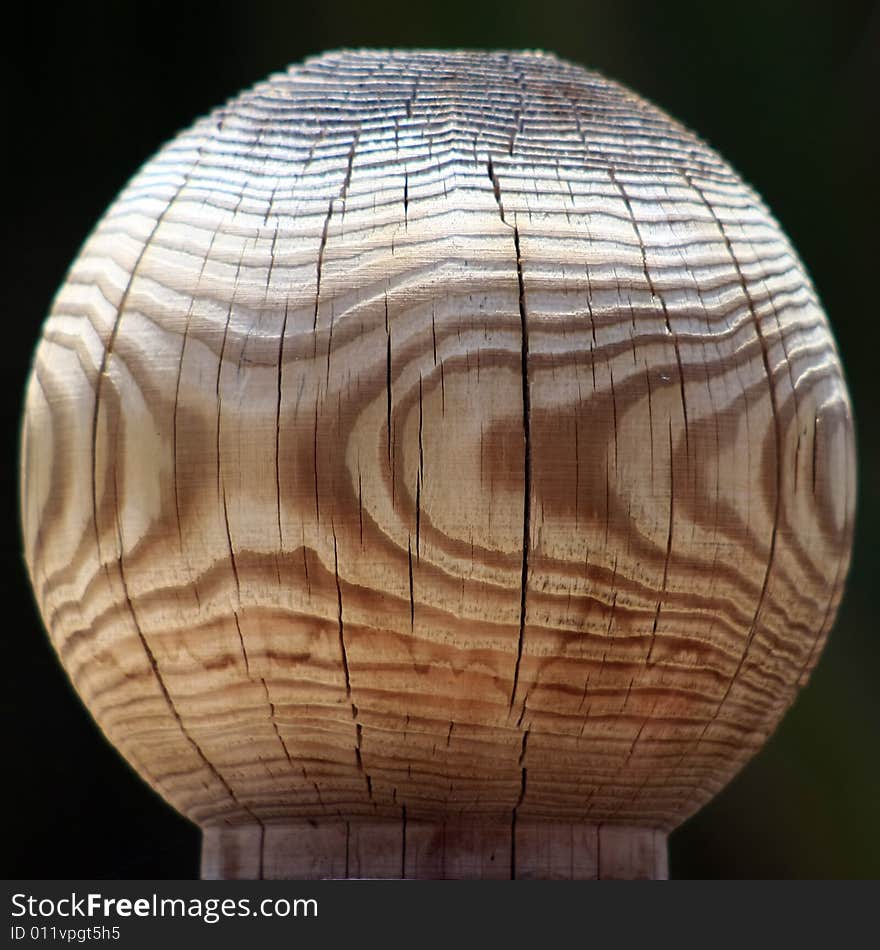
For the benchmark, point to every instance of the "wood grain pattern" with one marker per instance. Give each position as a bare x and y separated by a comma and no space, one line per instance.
437,435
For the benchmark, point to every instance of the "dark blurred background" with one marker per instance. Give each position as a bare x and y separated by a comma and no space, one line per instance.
787,90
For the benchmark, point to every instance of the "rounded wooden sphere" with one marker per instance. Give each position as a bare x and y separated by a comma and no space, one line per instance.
436,434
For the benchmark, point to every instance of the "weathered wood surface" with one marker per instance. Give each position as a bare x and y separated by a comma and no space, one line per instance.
454,850
444,432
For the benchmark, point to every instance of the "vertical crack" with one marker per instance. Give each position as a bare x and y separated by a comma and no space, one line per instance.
221,488
388,396
237,608
412,600
278,735
318,266
272,247
344,654
666,561
340,621
527,466
420,474
359,732
175,415
658,297
280,390
406,200
525,742
341,196
315,462
496,186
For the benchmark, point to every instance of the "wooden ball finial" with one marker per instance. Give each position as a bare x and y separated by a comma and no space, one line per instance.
437,464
